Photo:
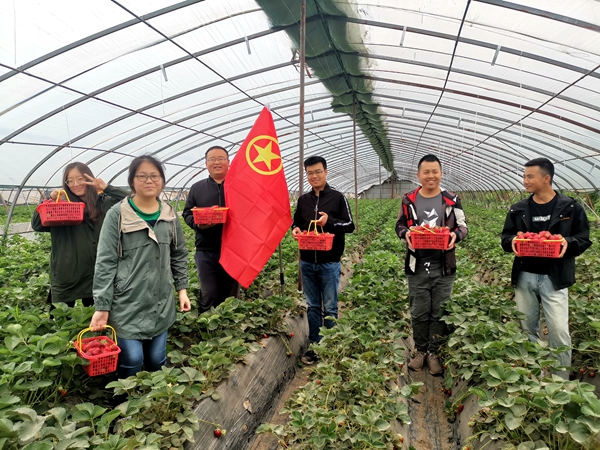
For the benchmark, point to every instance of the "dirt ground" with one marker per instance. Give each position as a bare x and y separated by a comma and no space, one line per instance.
430,429
268,441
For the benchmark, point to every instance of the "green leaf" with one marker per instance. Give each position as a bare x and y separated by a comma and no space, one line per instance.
8,400
30,428
512,422
11,342
578,432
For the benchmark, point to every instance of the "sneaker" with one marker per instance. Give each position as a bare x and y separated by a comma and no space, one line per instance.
417,361
435,366
310,358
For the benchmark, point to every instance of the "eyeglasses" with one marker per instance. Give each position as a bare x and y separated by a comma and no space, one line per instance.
316,172
75,182
220,159
143,177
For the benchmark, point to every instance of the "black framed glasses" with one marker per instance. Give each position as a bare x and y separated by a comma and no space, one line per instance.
144,177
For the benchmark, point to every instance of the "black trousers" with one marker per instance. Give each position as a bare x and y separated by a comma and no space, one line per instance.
87,301
215,284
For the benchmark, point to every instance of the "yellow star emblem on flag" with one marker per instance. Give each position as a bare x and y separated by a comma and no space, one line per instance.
264,150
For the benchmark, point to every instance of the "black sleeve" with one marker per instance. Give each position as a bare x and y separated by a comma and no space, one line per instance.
298,220
509,232
579,240
187,214
342,222
401,223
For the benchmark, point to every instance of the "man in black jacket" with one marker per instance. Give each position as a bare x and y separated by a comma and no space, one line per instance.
546,280
215,283
321,269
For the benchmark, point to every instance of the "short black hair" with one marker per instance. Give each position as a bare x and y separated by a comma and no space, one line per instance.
545,165
135,165
312,160
429,158
216,147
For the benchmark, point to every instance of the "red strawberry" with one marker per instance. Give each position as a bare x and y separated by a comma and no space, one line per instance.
459,408
217,433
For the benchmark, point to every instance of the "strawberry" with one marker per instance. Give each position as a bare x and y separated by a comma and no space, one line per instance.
459,408
592,374
291,335
217,433
582,371
265,335
63,392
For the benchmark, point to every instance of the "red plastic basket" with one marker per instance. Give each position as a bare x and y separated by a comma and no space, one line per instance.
209,216
537,248
57,213
428,240
313,240
99,364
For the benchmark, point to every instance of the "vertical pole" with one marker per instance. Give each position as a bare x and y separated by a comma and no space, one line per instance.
301,118
355,161
380,186
281,276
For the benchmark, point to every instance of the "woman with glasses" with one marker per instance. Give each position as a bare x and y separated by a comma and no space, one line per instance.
73,253
141,255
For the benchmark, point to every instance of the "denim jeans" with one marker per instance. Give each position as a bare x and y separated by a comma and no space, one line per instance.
320,284
135,353
427,292
532,289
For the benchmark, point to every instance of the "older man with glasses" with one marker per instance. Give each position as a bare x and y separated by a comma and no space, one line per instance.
321,269
215,283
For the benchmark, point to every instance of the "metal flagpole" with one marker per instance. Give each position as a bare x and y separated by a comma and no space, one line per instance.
380,186
355,161
301,118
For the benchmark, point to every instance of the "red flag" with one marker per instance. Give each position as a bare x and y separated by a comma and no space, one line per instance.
259,204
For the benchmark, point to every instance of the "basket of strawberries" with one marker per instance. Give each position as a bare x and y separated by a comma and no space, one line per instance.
57,213
101,351
541,245
209,216
313,240
427,238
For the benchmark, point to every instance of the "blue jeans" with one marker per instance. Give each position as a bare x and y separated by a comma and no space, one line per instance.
135,353
320,284
532,286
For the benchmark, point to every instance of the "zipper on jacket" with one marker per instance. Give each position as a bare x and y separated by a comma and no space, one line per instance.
316,213
219,190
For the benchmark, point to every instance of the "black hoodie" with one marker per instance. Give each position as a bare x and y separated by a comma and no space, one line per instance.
335,205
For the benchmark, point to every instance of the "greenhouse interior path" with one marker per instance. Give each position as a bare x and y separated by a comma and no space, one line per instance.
430,428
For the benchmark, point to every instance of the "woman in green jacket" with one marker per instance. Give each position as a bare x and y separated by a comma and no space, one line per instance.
141,254
73,253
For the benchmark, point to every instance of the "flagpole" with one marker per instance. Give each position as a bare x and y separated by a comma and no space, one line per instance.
301,118
355,161
380,186
281,277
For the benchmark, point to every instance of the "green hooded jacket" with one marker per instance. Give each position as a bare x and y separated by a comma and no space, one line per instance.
136,268
73,253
